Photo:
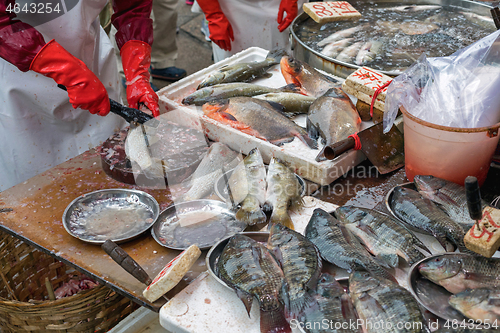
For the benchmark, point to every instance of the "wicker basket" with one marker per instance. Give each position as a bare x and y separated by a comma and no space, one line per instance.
24,304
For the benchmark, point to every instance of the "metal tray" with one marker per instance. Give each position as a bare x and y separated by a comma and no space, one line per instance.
388,202
221,224
221,185
116,214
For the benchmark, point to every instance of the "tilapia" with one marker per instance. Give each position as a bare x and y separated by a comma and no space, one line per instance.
449,195
339,35
333,307
381,235
333,49
338,245
243,72
368,52
292,103
310,81
301,265
378,300
479,304
258,118
252,173
458,272
227,90
333,117
139,154
219,157
249,268
421,213
283,191
349,53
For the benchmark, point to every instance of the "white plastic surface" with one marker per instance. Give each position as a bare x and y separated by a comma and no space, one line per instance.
141,320
297,154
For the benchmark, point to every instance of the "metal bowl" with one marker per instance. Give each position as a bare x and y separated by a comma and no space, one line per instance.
221,185
431,296
216,250
388,201
217,222
116,214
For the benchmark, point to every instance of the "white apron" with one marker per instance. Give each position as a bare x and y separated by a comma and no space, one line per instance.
38,126
254,23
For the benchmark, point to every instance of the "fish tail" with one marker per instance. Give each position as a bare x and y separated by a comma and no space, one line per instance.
281,217
250,211
275,55
304,137
377,270
301,304
274,321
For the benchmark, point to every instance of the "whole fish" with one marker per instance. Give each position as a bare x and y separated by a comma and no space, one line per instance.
349,53
449,195
292,103
458,272
339,35
338,246
249,268
138,152
258,118
479,304
368,52
310,81
301,264
334,307
381,235
333,117
227,90
243,72
421,213
283,191
218,157
252,169
333,49
412,8
378,300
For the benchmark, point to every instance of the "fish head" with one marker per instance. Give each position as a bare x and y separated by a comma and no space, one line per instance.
215,106
440,268
198,95
349,214
279,234
213,79
428,183
362,281
469,299
328,286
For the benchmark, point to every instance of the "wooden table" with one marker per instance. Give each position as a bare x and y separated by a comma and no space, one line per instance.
39,203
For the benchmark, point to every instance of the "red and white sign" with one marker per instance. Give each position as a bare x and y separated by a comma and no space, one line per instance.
322,12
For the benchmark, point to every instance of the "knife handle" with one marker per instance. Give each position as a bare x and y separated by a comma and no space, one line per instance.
473,196
338,148
123,259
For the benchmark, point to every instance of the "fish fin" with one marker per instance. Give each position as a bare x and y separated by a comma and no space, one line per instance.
443,241
311,129
227,116
292,87
375,269
282,141
304,137
250,211
414,255
298,305
390,259
278,107
246,298
274,321
275,55
421,245
282,218
348,312
266,75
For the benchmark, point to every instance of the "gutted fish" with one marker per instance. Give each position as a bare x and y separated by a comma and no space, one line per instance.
349,53
339,35
333,49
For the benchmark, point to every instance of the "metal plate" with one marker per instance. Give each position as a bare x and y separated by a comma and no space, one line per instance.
431,296
116,214
218,222
388,203
221,185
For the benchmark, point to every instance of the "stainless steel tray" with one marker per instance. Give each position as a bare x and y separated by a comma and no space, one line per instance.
116,214
218,222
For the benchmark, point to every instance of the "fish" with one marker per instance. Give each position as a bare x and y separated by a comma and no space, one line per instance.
339,35
417,28
421,213
349,53
292,103
412,8
448,195
481,304
258,118
309,80
381,235
332,306
333,49
368,52
333,117
301,264
138,152
227,90
250,269
378,300
243,72
253,170
338,246
283,191
459,271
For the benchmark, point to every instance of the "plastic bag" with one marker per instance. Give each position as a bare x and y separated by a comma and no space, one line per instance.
461,90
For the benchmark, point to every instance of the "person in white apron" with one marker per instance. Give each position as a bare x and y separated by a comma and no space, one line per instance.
39,126
236,25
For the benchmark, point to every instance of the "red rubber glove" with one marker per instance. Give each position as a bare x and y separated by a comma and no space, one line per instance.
84,88
136,59
290,7
221,31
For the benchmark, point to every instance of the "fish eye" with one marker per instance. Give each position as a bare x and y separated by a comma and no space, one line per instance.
459,262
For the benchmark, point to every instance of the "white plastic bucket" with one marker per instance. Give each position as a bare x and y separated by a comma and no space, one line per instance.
450,153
